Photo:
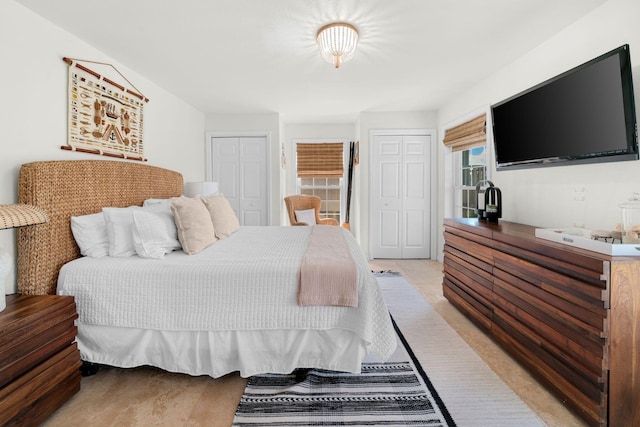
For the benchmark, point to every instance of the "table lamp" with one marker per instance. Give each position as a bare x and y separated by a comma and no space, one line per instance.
200,189
13,216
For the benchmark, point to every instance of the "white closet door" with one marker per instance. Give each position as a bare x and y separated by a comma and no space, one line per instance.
387,197
239,165
416,198
400,196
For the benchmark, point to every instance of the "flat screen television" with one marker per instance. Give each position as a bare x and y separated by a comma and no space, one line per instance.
585,115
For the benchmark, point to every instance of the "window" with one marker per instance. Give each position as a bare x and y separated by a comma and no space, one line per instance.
320,171
471,168
468,142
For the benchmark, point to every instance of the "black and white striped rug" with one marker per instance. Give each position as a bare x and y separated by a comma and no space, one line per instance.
396,393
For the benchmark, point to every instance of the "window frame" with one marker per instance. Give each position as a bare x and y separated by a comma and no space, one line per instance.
342,185
460,187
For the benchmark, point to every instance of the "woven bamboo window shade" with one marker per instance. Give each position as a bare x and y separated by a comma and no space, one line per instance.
320,160
467,135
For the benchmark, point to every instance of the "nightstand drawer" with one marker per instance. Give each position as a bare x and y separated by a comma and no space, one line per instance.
56,378
39,360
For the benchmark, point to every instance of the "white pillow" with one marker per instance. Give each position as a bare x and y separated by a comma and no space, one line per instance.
224,219
154,202
154,233
90,232
308,216
120,231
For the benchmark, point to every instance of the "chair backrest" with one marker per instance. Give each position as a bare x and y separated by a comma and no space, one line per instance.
302,202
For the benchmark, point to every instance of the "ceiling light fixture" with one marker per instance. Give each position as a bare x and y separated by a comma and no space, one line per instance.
337,42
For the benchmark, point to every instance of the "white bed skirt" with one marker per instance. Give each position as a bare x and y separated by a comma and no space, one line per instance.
217,353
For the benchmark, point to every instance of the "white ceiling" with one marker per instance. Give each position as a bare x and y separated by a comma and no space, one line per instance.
260,56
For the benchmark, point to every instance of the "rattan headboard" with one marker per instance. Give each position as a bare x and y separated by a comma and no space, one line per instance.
69,188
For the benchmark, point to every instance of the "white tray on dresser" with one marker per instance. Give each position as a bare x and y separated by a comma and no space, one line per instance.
581,238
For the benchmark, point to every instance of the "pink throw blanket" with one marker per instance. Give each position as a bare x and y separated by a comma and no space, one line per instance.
328,274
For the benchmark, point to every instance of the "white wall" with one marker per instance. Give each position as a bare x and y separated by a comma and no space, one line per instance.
403,120
280,134
545,196
33,112
358,131
268,123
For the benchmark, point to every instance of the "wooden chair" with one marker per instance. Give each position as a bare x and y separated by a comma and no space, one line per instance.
301,202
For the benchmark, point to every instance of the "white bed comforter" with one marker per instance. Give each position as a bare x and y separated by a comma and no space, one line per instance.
248,281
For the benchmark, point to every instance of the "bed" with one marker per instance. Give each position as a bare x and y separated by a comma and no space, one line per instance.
231,307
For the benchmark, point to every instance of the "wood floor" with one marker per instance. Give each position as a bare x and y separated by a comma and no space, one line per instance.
151,397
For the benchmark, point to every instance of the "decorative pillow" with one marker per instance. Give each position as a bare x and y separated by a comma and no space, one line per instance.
90,232
224,219
154,233
120,231
195,229
307,216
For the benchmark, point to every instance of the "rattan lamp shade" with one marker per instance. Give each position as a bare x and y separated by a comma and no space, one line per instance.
12,216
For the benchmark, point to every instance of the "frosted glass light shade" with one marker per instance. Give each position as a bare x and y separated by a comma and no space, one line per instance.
200,189
337,42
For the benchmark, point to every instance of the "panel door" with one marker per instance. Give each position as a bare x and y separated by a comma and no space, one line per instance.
239,165
387,197
253,181
400,196
416,197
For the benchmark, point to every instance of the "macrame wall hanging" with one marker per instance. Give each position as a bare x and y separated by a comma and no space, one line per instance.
105,117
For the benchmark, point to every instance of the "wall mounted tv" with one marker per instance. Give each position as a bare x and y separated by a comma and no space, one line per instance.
585,115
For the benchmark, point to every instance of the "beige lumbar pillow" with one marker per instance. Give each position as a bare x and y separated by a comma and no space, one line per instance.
223,217
195,229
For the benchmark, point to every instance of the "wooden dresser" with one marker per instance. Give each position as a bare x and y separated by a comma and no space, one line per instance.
571,316
39,360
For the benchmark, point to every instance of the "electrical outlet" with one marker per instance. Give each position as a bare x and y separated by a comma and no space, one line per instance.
579,193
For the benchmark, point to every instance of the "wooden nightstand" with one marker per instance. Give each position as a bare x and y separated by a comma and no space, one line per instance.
39,360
